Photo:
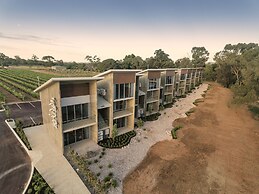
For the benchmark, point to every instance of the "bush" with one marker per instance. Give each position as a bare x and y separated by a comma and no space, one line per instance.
107,179
255,110
95,161
98,174
173,131
140,123
110,174
114,183
21,134
188,113
118,142
38,184
110,166
152,117
100,166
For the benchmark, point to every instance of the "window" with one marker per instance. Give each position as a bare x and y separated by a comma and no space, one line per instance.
122,86
121,122
182,77
76,135
85,111
168,80
119,106
123,90
78,111
74,112
70,113
153,83
64,114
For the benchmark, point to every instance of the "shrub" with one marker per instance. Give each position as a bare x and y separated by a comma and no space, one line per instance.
140,123
255,110
19,131
188,113
110,166
89,162
100,156
95,161
110,174
107,179
98,174
119,141
114,183
173,131
100,166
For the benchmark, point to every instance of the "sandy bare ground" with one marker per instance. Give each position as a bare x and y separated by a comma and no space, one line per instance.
217,152
126,159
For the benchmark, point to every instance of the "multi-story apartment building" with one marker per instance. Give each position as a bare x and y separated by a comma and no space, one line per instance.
69,109
74,109
117,88
167,88
149,84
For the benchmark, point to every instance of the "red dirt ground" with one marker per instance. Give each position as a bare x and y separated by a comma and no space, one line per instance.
217,151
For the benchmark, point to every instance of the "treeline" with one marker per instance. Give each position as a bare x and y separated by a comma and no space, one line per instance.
237,67
160,59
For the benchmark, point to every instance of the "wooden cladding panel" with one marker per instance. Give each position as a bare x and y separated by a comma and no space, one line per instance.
119,78
184,71
70,90
170,73
153,74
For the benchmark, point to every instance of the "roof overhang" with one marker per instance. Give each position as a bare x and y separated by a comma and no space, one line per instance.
66,79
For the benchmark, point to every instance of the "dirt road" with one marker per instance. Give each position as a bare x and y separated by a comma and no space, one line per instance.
217,152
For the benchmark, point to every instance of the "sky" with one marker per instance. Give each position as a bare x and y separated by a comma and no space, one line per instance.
70,30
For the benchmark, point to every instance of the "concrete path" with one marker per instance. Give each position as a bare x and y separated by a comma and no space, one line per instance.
52,165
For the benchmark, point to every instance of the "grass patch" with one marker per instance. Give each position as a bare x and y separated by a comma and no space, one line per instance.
173,131
197,101
21,134
254,109
189,112
119,141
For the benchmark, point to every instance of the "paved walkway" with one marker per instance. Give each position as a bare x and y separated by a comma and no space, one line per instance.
52,165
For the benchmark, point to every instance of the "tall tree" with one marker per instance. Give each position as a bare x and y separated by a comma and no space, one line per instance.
92,62
132,62
199,56
34,58
48,58
159,60
183,62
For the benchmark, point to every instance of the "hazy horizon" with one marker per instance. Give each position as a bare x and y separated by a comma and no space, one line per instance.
70,30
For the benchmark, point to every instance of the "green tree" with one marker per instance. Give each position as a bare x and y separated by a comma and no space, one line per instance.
199,56
48,58
34,58
159,60
210,73
183,62
132,62
107,64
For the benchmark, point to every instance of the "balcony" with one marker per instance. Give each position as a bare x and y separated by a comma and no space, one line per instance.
122,113
90,121
151,99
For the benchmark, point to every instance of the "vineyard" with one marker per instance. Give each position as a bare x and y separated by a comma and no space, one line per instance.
17,84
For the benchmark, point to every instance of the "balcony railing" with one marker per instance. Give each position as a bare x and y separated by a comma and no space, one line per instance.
122,113
89,121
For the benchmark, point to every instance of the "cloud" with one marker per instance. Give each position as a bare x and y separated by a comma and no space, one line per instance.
25,37
37,39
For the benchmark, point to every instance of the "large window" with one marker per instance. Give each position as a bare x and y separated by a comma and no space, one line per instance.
74,112
153,83
123,90
182,77
76,135
119,105
168,80
121,122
